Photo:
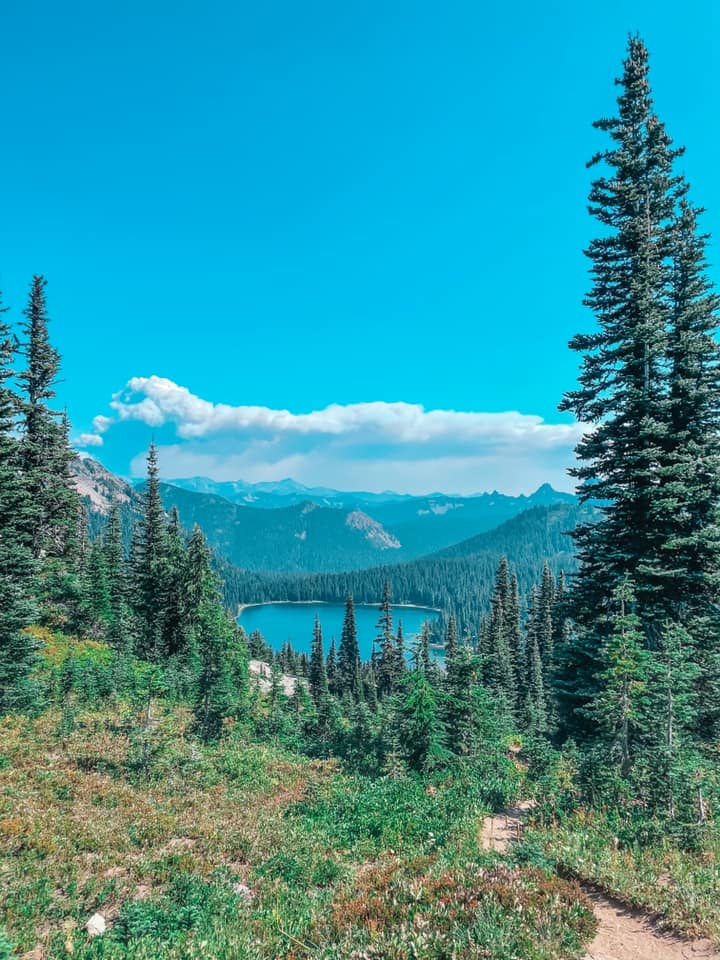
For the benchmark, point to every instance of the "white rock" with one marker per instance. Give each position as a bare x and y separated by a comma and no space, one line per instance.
243,891
96,925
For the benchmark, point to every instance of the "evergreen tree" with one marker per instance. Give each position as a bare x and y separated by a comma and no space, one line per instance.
623,382
497,663
535,704
421,651
318,674
16,566
464,703
400,664
451,638
53,517
149,567
120,628
513,627
369,687
386,660
669,717
691,478
348,659
331,668
175,577
97,602
420,724
623,676
222,681
546,628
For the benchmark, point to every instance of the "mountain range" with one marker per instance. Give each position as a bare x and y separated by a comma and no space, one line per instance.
285,527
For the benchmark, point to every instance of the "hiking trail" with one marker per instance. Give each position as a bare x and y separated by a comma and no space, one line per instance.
623,933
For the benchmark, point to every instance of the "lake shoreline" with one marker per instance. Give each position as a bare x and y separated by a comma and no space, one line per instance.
274,603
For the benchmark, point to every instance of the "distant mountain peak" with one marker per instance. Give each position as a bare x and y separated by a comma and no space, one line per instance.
97,485
546,494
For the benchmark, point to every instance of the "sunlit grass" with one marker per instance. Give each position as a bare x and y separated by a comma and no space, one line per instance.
338,866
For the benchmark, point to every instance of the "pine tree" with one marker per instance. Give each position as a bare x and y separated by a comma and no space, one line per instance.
623,383
386,661
420,724
691,479
97,602
451,638
369,687
400,664
670,714
149,567
222,681
318,673
623,676
535,704
45,449
120,628
331,668
175,614
16,565
497,662
464,694
513,629
348,659
546,627
421,651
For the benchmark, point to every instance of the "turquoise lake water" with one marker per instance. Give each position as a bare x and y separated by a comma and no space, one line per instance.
278,622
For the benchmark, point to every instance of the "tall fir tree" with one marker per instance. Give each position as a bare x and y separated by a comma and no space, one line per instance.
318,673
149,567
120,629
622,388
624,665
498,666
421,729
54,517
348,657
691,476
536,719
385,658
670,714
222,682
17,649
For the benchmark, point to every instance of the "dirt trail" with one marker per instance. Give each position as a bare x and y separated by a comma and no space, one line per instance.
623,933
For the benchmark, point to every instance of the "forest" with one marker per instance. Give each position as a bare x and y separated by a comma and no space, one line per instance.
158,798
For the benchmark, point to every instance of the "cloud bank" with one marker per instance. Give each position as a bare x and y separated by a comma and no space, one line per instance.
373,445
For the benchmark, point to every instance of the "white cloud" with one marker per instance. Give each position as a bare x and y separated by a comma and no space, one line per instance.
101,423
156,401
374,445
88,440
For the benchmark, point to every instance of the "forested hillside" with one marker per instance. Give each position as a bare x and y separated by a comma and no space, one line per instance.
302,537
458,581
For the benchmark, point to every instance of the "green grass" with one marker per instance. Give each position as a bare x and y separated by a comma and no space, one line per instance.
679,885
340,866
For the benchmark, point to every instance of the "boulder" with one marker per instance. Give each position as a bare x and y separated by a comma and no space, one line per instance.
96,925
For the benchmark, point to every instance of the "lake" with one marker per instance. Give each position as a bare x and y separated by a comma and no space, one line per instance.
278,622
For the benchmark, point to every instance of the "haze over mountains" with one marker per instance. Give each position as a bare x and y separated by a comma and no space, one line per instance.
285,527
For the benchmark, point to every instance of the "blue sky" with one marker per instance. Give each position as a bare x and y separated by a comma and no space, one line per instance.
376,207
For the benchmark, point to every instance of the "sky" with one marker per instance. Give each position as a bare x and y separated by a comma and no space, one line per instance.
335,241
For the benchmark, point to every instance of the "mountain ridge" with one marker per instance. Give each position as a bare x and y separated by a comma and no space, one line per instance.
307,534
